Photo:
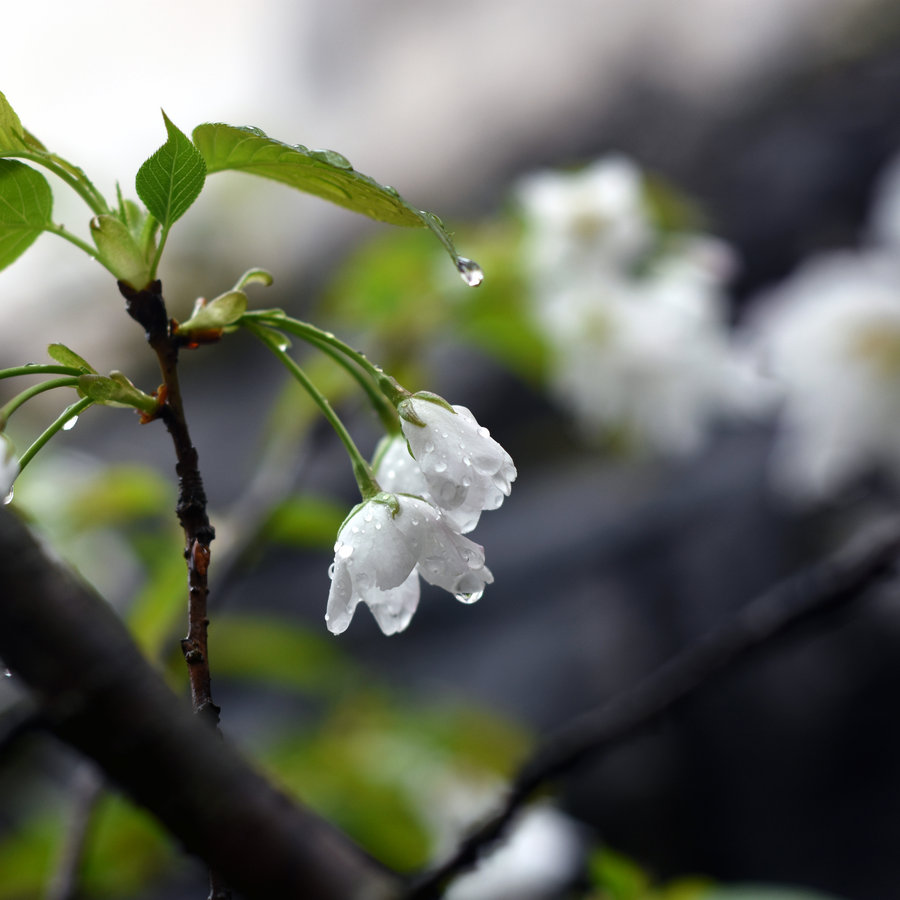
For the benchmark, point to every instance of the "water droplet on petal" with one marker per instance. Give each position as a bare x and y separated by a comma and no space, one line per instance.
70,424
483,432
429,447
440,466
9,497
469,271
345,551
331,574
7,673
469,598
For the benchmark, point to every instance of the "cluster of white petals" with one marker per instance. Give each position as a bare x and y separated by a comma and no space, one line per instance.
9,466
638,336
830,338
437,478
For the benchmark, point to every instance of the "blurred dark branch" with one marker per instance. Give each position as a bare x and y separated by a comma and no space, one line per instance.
822,589
98,694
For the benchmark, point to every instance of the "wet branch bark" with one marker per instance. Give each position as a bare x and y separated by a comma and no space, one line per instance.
823,589
96,692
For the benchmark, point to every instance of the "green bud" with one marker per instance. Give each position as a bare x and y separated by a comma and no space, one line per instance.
119,251
116,390
224,310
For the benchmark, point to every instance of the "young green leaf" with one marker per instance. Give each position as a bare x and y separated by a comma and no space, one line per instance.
224,310
324,173
66,357
119,251
25,206
171,180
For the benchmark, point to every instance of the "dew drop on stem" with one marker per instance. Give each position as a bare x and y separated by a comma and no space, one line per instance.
68,426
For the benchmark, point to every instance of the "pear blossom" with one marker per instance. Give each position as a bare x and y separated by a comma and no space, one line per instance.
465,469
830,338
9,466
383,547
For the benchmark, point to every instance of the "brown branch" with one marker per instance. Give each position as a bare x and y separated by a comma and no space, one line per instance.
148,308
822,589
98,693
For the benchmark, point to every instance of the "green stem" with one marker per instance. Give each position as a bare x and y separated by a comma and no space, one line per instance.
368,486
163,236
70,412
17,401
64,170
62,232
39,369
321,339
385,410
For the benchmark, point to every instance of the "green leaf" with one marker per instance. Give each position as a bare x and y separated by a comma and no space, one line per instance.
66,357
25,206
12,134
324,173
171,180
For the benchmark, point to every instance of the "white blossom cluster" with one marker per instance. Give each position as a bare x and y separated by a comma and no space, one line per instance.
636,325
437,478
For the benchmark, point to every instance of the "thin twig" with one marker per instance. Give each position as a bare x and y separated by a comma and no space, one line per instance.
819,590
148,308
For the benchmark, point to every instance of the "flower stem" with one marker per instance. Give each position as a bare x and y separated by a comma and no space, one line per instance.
368,486
37,369
17,401
70,412
322,339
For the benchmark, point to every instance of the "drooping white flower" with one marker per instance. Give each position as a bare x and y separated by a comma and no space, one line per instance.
830,337
465,469
382,548
9,466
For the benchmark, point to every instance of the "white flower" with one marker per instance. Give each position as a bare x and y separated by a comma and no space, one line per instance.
382,548
465,469
830,336
9,466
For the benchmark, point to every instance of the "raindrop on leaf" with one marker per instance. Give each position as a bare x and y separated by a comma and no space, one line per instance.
469,270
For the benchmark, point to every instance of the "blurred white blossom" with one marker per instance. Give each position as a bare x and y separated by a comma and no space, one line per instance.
830,337
584,224
383,547
538,859
635,320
